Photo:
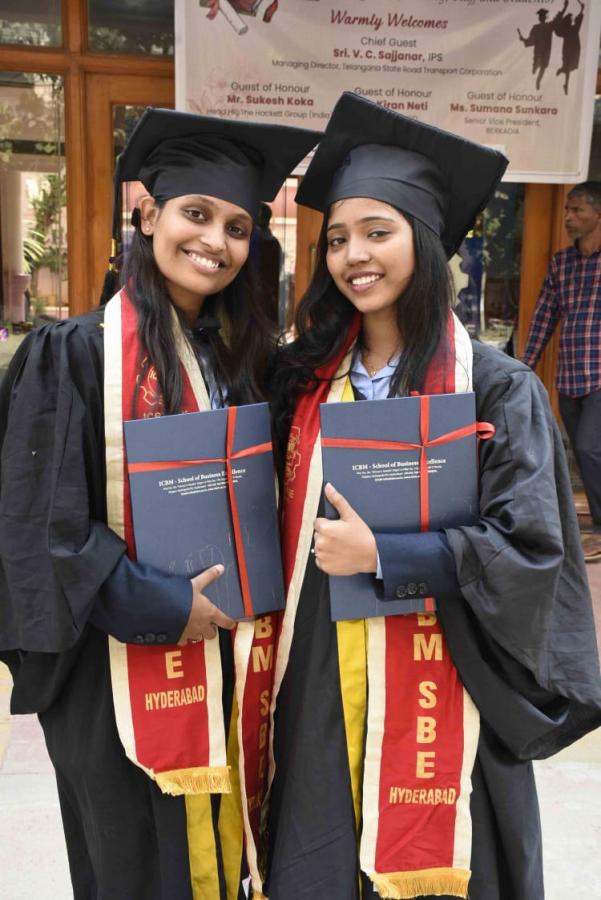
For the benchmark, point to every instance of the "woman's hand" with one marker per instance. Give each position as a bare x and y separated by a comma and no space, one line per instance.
345,546
204,615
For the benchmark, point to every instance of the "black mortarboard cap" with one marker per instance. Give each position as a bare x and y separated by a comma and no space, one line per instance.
175,153
441,179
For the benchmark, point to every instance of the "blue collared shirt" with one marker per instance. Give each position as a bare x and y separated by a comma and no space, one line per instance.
376,388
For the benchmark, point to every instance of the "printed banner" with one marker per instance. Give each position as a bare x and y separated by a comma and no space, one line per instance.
518,75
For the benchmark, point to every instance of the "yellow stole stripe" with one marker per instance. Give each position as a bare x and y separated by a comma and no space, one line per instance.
352,663
230,814
202,842
202,847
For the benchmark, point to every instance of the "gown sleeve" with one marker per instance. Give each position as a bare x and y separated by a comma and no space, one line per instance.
512,590
139,604
416,564
62,566
56,550
522,632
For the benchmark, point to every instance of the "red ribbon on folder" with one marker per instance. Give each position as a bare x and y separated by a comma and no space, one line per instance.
228,459
483,431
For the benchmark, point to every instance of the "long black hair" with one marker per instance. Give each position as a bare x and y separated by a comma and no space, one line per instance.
324,315
241,349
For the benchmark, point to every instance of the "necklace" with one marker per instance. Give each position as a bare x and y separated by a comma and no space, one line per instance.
370,368
374,362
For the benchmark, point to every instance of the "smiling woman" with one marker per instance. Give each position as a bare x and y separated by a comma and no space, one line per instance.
368,798
191,243
184,333
370,253
199,244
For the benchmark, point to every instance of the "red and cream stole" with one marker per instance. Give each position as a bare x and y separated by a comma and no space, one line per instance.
411,728
168,699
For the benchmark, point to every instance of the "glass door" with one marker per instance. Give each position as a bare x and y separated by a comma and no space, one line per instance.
33,215
114,104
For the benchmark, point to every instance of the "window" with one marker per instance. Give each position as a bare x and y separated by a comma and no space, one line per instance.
131,26
31,22
33,243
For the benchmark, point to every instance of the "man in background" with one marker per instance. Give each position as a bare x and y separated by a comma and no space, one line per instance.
571,294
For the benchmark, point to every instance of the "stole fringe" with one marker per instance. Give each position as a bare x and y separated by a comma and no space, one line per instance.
436,882
202,780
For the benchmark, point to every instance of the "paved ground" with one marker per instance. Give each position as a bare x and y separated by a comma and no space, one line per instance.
33,861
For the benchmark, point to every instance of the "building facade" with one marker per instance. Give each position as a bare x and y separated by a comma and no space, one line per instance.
74,77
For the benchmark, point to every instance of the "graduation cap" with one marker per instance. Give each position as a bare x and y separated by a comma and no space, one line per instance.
437,177
175,153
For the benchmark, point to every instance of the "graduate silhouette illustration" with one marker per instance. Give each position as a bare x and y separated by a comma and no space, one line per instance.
568,27
540,38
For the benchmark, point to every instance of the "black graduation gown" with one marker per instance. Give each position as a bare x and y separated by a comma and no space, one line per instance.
521,633
125,839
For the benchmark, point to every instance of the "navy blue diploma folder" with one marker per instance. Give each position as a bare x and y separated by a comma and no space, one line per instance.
383,485
182,511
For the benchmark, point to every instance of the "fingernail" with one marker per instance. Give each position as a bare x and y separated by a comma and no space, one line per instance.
219,568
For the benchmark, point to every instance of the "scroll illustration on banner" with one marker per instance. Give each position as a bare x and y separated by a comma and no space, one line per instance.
230,10
517,76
